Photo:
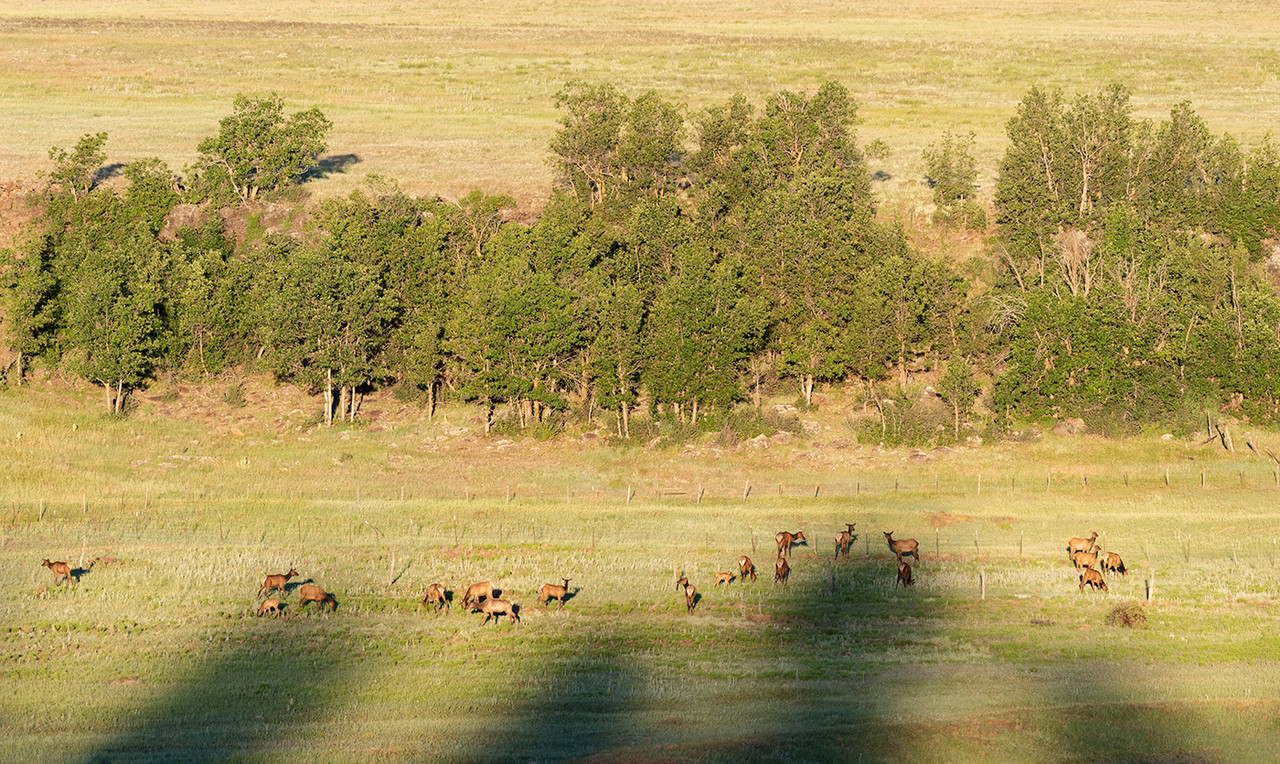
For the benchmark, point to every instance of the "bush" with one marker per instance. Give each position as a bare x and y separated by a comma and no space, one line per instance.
1128,615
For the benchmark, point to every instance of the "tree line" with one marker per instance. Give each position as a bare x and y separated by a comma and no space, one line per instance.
685,262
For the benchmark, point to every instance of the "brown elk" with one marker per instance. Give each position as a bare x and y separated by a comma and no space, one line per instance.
1084,559
1093,578
781,571
904,576
682,582
845,539
724,578
476,591
1112,562
59,569
548,592
436,595
746,568
903,547
312,593
273,605
785,539
275,581
1082,545
496,608
690,597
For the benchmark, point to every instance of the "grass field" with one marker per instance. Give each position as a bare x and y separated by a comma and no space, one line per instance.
154,654
450,96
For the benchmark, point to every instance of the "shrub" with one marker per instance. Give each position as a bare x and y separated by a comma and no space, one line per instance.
1128,615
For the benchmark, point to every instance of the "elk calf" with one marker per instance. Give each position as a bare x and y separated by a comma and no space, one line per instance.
903,547
59,569
1082,545
781,571
496,608
845,539
275,581
785,539
272,605
548,592
746,568
1084,559
476,591
904,576
1112,562
312,593
690,597
1093,578
436,595
724,578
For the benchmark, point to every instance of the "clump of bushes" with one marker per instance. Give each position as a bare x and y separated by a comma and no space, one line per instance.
1128,615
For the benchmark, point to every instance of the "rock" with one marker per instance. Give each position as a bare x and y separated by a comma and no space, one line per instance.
780,438
917,455
811,427
784,408
759,441
1073,426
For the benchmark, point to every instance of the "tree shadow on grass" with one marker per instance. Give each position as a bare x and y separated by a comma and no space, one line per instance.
333,164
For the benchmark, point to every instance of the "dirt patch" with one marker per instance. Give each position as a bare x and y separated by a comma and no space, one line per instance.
945,519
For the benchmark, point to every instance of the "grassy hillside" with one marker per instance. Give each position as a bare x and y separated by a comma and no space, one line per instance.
154,653
452,96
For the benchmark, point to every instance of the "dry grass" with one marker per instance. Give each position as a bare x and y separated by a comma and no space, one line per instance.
451,96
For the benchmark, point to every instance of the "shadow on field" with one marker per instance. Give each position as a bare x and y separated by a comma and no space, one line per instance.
333,164
258,687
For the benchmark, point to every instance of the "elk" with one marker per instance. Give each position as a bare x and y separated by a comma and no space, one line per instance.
724,578
845,539
1092,578
781,571
1082,545
690,597
682,582
548,592
436,595
1112,562
496,608
59,569
312,593
786,539
273,605
1084,559
903,547
746,568
904,576
275,581
476,591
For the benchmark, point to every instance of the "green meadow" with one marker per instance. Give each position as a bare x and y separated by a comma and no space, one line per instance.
155,654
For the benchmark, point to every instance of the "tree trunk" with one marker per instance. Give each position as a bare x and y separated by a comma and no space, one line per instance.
488,414
626,424
120,396
106,386
328,397
342,403
695,410
431,400
806,386
19,362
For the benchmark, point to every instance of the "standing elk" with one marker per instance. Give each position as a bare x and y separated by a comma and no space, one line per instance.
785,539
781,571
746,568
548,592
476,591
496,608
904,576
59,569
1112,562
724,578
275,581
1082,545
845,539
1084,559
1093,578
312,593
690,597
903,547
436,595
272,605
682,582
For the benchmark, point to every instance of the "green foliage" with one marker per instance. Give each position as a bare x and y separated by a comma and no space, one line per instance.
953,174
152,192
75,172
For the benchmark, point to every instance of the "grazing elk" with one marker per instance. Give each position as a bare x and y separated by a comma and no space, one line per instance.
1112,562
785,539
59,569
1084,559
275,581
746,568
312,593
844,540
1082,545
436,595
496,608
690,597
1093,578
724,578
903,547
548,592
272,605
781,571
904,576
476,591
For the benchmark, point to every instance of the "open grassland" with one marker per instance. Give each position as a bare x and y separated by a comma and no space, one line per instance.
154,653
450,96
